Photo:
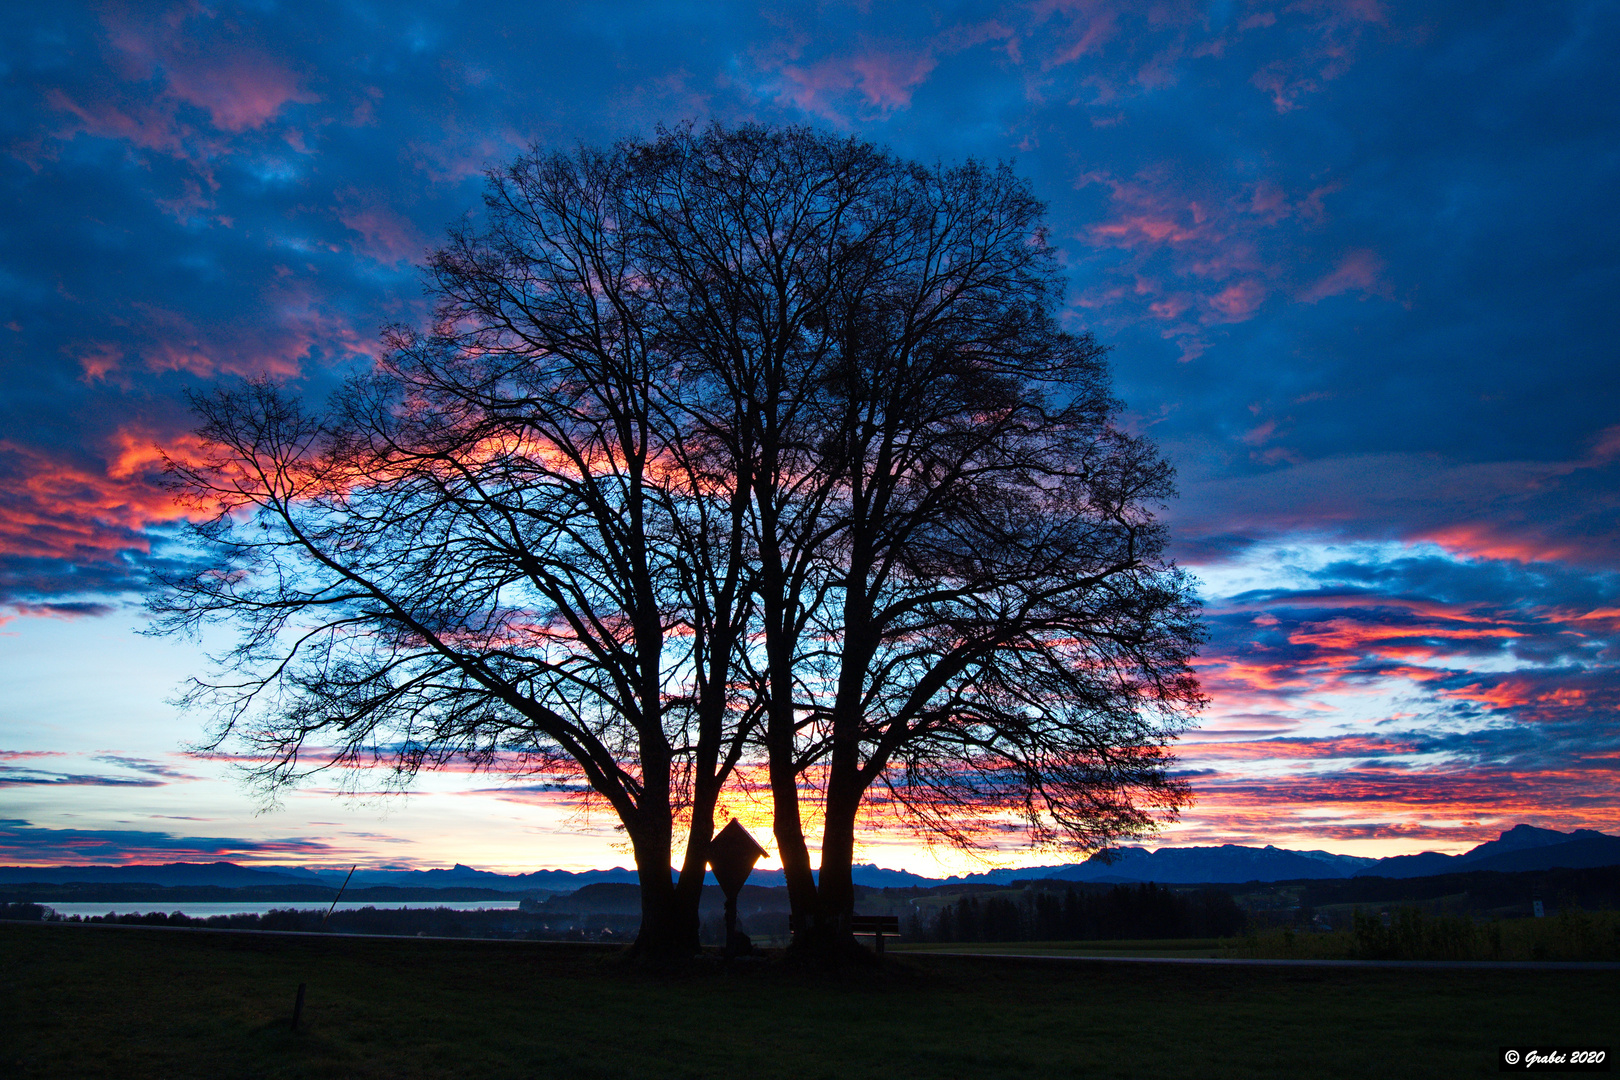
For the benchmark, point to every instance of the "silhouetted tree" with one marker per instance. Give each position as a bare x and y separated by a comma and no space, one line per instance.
735,441
961,583
500,545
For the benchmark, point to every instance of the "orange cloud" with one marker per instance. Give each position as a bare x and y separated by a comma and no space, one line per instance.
1481,541
59,509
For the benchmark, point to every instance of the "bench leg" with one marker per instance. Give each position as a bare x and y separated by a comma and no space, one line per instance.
880,943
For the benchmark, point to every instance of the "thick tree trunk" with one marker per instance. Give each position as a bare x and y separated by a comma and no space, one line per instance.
836,888
788,828
660,935
688,893
836,891
777,607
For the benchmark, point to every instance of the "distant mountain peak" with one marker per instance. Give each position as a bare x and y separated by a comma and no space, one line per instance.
1522,847
1519,838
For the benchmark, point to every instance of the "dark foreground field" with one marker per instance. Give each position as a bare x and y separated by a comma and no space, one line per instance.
99,1001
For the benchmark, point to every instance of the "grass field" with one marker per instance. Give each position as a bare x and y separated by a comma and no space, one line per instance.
99,1001
1200,948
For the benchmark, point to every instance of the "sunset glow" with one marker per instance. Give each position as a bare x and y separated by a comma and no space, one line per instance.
1356,265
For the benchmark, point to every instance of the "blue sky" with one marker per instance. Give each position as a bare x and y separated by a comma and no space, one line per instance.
1357,263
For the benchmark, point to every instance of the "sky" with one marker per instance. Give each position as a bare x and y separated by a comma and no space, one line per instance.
1358,264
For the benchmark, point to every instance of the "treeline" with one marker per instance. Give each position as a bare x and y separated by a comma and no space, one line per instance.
406,922
1479,891
1410,933
1125,912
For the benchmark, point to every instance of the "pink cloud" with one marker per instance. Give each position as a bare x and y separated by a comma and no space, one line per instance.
1333,30
1357,270
246,92
202,62
456,153
1606,447
290,323
1092,24
882,81
1197,257
1238,301
143,125
1259,434
1348,746
385,236
98,359
170,58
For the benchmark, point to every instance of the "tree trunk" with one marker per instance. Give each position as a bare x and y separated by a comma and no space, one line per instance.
836,888
660,935
791,848
836,892
688,895
777,607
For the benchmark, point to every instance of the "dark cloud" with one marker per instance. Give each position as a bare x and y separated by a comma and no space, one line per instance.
143,765
1379,236
11,776
22,842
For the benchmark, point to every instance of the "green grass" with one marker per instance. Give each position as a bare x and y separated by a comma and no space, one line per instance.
1201,948
96,1001
1572,934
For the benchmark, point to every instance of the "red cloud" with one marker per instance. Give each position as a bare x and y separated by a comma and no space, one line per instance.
1347,634
59,509
1437,793
1369,645
1493,541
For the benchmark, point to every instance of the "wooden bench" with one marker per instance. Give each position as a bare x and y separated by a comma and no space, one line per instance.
877,926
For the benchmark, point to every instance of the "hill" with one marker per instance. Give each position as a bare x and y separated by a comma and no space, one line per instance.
1523,847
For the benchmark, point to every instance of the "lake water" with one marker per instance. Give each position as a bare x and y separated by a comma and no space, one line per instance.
198,910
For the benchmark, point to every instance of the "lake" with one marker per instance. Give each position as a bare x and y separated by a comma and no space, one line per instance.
199,910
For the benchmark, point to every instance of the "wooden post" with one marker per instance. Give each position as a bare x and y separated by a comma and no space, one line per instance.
731,924
298,1007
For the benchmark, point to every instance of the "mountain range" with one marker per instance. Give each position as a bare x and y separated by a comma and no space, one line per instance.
1523,847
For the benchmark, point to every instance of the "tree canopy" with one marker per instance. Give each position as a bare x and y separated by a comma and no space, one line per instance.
733,448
